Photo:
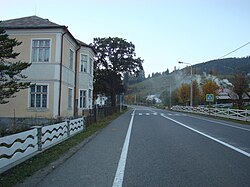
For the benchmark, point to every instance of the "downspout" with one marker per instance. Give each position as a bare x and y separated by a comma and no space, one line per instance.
60,81
76,72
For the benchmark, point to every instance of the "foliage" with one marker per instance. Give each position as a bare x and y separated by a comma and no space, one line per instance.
117,54
184,93
108,83
159,84
129,79
224,66
196,93
165,97
208,87
115,57
130,99
10,72
240,87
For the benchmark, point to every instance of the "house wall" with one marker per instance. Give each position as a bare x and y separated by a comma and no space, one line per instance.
68,76
85,79
48,73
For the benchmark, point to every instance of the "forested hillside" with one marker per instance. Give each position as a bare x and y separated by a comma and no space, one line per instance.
160,83
227,66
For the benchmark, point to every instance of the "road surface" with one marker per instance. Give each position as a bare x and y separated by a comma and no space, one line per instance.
152,147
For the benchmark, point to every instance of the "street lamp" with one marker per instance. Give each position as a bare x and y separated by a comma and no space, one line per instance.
191,86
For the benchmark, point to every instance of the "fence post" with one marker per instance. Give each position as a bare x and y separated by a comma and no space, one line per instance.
95,113
39,136
68,128
246,114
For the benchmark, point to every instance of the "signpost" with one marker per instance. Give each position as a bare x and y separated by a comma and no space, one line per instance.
209,99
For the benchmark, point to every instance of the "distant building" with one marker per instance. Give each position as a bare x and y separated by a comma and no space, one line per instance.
228,96
153,99
101,100
61,73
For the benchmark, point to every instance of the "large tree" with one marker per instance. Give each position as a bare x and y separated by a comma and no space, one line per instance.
240,86
196,93
115,57
208,87
184,93
109,83
10,71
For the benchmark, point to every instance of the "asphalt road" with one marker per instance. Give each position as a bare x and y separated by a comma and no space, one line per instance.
151,147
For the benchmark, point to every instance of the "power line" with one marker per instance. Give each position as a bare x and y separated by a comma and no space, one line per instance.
235,50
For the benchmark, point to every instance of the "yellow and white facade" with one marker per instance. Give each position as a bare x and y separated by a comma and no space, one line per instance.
61,71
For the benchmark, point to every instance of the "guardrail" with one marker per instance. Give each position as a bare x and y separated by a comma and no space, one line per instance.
243,115
19,147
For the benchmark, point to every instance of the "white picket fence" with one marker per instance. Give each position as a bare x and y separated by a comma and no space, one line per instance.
243,115
17,148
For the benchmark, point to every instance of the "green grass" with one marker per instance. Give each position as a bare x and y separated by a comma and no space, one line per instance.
29,167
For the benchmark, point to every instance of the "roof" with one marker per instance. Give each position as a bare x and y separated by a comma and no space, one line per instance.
86,45
35,22
82,43
31,22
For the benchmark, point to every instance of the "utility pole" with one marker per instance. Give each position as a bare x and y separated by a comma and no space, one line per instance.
191,86
170,97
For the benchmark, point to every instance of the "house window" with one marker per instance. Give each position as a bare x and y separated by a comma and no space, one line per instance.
90,65
38,96
40,50
71,58
82,98
90,97
70,98
83,65
90,94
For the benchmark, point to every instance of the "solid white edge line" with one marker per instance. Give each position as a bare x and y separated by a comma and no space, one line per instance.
210,137
225,124
118,180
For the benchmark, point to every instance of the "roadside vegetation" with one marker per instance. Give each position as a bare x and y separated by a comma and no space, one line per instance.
29,167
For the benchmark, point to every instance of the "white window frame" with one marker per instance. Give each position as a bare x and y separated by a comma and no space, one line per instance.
71,64
91,64
70,103
90,93
29,96
85,65
79,99
31,50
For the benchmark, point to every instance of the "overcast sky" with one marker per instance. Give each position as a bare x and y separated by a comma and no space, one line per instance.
163,31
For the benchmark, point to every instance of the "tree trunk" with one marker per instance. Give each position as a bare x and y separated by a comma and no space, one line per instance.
113,100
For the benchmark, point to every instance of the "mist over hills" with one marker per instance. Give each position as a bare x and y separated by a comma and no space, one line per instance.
161,83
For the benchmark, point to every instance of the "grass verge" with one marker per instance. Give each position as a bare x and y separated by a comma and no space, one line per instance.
29,167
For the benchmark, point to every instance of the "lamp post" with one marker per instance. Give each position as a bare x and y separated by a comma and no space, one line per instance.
191,86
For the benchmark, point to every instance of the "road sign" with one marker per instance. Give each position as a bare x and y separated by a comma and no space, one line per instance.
210,97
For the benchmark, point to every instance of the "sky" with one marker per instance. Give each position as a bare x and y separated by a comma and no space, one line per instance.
163,31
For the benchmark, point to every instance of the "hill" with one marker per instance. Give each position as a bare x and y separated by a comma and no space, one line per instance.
160,85
227,66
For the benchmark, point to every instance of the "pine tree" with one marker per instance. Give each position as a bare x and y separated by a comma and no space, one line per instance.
10,72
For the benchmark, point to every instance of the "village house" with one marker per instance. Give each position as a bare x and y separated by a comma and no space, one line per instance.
61,71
